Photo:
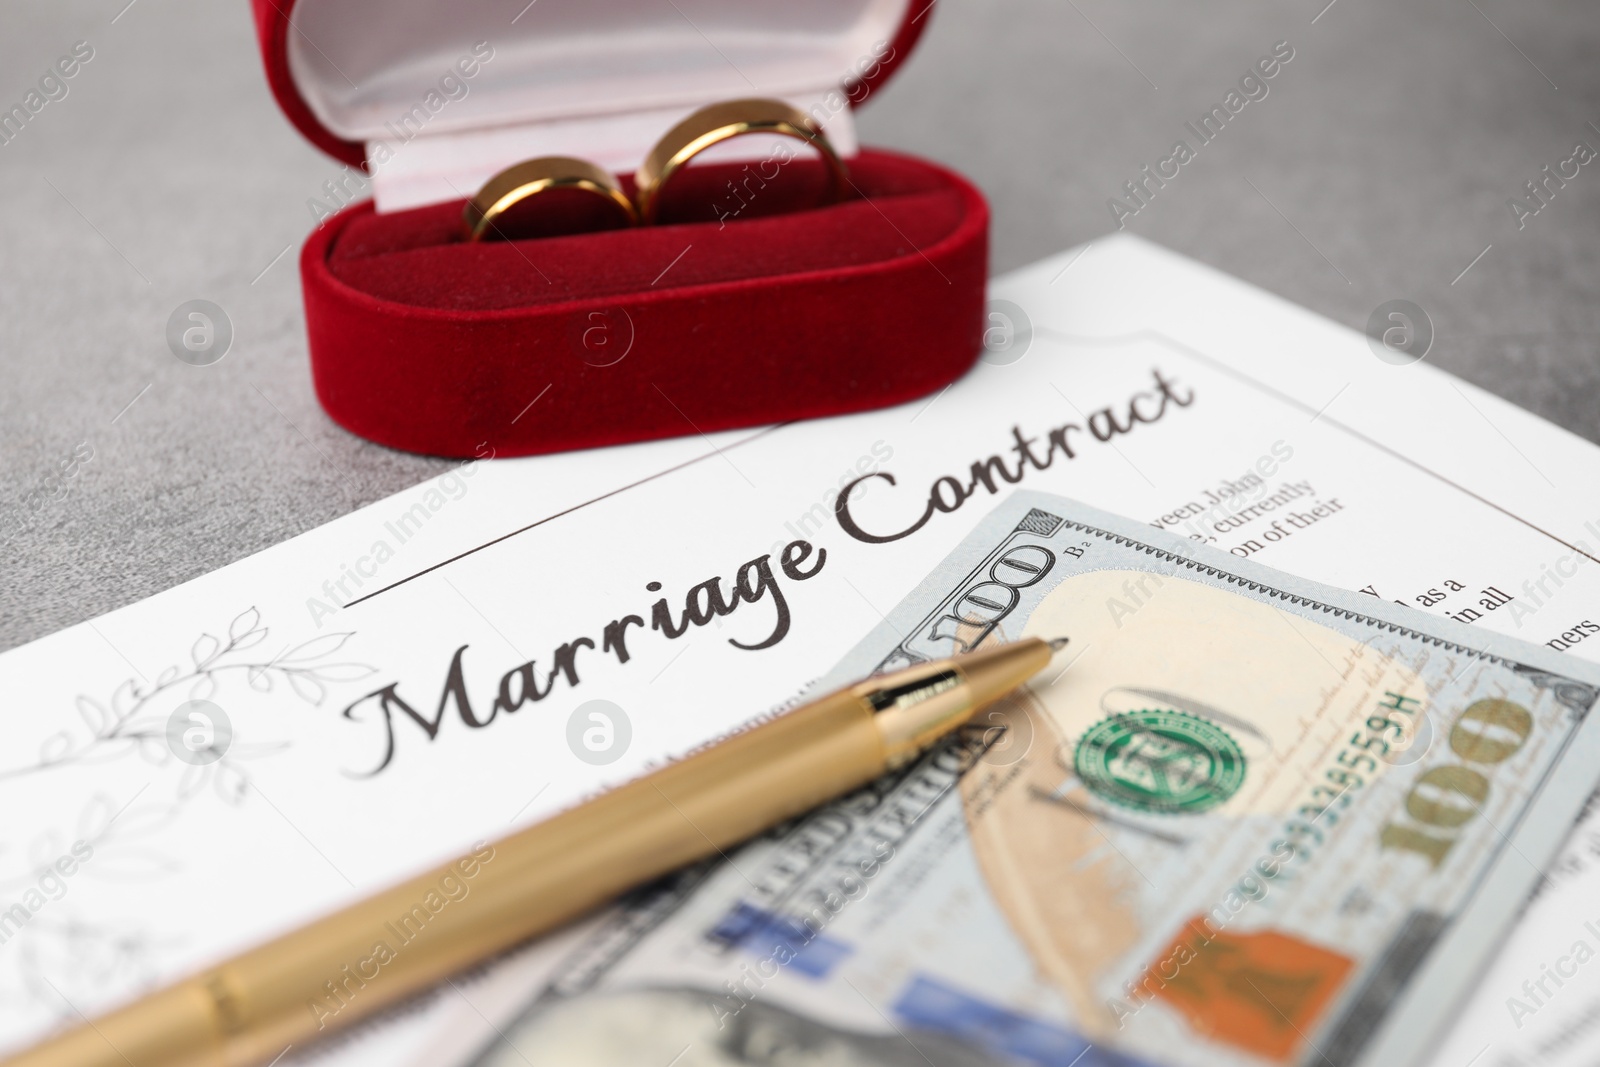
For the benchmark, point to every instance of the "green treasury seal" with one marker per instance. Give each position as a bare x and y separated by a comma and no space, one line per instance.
1159,760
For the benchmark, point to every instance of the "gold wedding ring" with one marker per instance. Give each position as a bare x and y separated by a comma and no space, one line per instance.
533,176
720,122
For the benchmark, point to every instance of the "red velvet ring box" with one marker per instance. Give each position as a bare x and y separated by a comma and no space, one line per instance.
752,303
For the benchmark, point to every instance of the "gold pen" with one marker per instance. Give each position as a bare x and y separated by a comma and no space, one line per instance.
365,957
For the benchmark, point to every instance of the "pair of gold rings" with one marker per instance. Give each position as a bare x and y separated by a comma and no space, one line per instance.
704,128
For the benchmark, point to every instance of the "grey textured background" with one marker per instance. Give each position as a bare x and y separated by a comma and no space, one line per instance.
1382,160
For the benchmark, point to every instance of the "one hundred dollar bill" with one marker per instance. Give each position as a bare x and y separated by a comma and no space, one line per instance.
1243,819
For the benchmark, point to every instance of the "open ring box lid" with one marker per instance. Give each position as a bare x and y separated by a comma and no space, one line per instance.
747,307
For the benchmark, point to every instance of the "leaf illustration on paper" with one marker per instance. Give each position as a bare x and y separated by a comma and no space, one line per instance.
343,672
55,749
316,648
306,687
246,624
206,648
122,833
96,717
126,721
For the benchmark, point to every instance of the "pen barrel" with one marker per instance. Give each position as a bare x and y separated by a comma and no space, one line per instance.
342,968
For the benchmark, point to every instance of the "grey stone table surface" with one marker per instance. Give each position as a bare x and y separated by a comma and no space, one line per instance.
1379,166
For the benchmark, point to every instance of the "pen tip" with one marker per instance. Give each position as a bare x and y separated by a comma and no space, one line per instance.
1058,643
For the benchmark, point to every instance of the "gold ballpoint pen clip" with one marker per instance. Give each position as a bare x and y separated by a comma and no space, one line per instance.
920,704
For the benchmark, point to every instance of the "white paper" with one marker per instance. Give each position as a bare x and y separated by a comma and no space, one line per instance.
1423,483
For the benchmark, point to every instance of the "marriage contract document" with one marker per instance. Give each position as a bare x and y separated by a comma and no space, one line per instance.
382,693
